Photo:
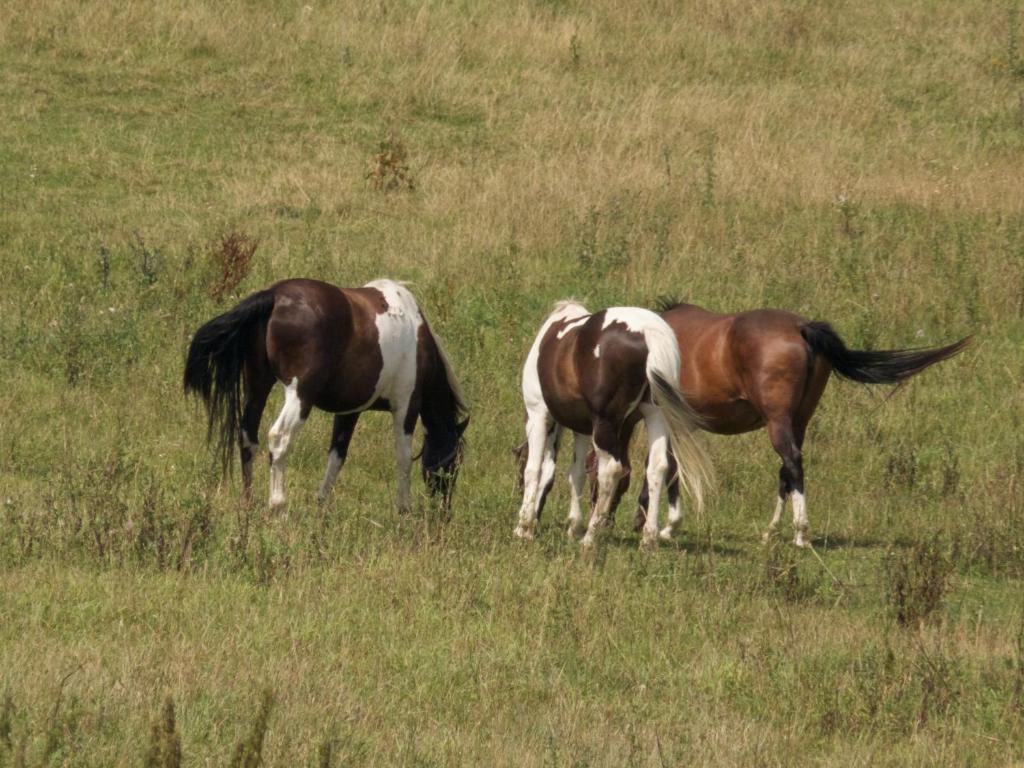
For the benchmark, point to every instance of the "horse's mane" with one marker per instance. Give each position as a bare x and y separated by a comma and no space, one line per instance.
564,304
666,302
461,408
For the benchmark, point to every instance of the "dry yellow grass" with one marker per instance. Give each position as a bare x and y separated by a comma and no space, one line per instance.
860,164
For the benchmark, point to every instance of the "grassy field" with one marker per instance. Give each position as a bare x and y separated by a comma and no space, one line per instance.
858,163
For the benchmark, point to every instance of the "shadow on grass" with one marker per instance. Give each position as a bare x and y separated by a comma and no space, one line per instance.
838,542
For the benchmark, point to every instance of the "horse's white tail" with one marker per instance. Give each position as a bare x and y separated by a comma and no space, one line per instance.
663,375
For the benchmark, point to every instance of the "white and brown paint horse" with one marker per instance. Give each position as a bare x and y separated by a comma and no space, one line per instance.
768,368
342,350
598,375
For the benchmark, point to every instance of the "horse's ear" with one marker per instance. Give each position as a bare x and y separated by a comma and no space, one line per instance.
461,426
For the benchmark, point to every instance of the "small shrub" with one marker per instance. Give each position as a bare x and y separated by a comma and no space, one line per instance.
148,259
781,571
249,753
164,743
6,719
232,262
918,581
938,687
901,466
710,175
103,266
575,51
389,168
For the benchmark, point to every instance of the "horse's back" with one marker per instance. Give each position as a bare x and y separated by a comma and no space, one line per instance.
304,328
347,347
735,365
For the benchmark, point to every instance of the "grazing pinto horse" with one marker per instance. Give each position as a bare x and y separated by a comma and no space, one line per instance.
343,350
597,375
744,371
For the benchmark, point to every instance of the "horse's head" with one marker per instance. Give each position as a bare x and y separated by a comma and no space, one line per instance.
442,456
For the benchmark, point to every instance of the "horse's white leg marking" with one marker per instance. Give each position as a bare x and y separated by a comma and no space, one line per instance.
800,522
609,471
773,526
537,423
675,516
282,435
547,466
577,477
334,463
657,465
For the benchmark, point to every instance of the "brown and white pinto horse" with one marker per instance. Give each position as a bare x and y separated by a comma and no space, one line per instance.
598,375
343,350
768,368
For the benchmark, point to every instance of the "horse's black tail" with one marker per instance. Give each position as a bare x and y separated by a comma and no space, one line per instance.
213,368
884,366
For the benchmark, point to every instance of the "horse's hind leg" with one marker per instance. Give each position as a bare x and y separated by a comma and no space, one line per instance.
282,436
675,506
258,383
657,467
541,435
611,456
344,426
547,467
577,476
791,479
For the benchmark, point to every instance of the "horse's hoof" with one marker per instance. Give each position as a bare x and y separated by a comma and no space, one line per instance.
801,543
665,534
587,542
523,533
649,544
574,533
768,535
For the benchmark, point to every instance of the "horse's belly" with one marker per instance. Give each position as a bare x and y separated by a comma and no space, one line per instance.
731,418
574,415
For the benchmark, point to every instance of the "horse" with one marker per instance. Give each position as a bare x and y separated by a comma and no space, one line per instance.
597,375
342,350
768,368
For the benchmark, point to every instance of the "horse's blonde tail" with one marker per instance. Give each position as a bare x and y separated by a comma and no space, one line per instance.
663,363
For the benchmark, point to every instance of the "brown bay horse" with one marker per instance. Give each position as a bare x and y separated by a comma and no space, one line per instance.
768,368
598,375
342,350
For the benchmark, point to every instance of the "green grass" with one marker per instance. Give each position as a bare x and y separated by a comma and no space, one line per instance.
856,164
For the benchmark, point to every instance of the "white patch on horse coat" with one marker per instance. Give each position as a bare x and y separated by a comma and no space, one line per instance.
572,326
597,351
282,435
564,310
397,335
635,319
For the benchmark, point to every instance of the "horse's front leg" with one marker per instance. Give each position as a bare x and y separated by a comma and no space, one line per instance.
344,426
404,425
